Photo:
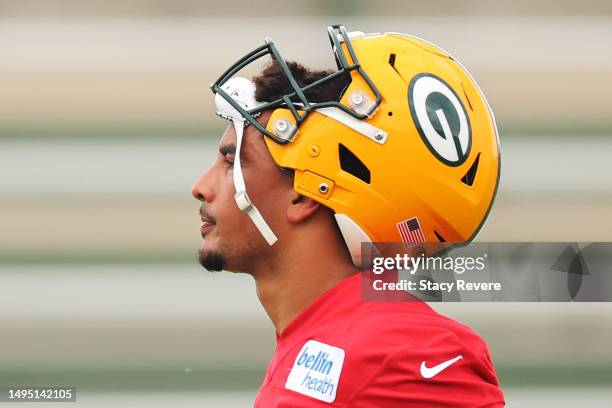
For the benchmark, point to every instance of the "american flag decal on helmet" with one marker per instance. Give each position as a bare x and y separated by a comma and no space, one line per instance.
410,231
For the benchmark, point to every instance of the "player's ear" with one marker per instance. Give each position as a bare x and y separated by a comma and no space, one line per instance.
300,208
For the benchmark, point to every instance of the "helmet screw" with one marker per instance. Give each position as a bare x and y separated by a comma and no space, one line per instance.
323,188
281,125
378,136
357,99
314,150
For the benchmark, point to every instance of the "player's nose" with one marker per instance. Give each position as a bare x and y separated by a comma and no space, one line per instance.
202,189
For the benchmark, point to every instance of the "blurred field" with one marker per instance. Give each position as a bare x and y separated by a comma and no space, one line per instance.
541,74
106,121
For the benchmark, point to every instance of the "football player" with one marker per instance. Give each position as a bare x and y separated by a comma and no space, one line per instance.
396,145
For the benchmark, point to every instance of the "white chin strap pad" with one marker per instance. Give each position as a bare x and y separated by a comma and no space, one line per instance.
242,91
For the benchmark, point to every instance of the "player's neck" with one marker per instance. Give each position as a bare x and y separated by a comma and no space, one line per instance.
300,276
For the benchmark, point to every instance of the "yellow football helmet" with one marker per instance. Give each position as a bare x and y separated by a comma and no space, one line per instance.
409,153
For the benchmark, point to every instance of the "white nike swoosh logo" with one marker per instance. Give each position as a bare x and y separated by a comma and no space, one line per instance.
427,372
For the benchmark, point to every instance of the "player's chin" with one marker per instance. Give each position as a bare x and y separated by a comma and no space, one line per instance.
211,259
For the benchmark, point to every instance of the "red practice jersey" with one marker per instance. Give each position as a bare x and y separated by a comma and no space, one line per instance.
343,351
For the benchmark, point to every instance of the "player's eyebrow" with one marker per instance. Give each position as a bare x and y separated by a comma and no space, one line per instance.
227,149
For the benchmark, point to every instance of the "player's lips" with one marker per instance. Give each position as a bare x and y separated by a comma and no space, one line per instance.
207,224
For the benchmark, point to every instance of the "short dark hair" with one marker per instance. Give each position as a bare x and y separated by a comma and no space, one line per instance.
272,83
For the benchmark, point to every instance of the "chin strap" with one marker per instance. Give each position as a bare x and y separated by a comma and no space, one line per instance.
242,91
242,199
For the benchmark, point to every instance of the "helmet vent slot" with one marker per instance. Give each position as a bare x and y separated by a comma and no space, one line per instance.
466,97
470,176
440,237
392,64
352,165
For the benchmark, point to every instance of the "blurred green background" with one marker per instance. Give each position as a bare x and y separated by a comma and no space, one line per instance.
106,120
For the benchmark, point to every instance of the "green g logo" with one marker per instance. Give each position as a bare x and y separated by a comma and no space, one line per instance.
440,118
